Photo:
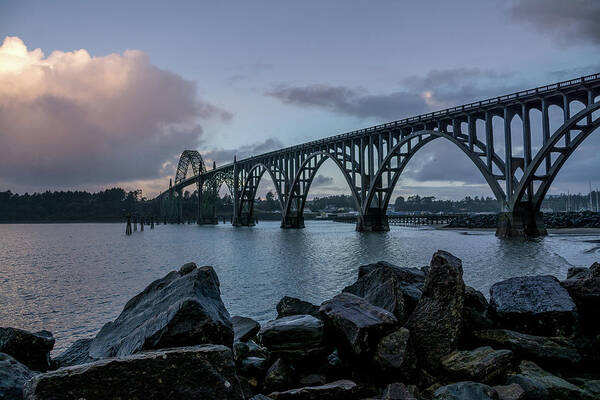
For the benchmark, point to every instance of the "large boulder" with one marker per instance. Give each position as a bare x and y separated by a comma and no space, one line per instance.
296,337
548,351
465,391
288,306
539,384
77,353
584,288
538,305
338,390
244,328
395,355
483,364
31,349
356,322
197,372
390,287
436,323
183,308
13,376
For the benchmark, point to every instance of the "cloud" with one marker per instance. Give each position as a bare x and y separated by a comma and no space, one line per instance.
568,22
322,180
418,94
70,119
225,156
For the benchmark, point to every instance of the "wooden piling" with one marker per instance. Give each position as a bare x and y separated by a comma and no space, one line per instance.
128,227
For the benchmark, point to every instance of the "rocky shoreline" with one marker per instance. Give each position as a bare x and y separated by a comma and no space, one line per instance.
582,219
396,333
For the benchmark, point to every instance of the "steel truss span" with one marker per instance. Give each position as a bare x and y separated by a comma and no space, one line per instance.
373,159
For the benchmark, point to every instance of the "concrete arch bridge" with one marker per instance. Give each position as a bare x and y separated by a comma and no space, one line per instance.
371,160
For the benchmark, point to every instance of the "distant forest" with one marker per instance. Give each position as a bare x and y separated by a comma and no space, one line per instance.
113,204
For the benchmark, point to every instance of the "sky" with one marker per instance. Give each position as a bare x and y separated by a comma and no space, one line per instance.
101,94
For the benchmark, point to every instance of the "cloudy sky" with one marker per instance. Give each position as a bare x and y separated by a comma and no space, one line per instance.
98,94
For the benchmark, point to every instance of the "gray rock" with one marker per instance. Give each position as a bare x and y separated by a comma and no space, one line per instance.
395,354
548,351
312,380
436,323
244,328
390,287
577,272
584,288
288,306
296,337
475,312
13,376
510,392
199,372
177,310
540,384
253,366
77,353
483,364
537,305
30,349
356,322
338,390
279,376
399,391
260,397
465,391
242,350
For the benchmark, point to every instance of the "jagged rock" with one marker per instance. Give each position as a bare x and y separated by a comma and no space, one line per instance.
510,392
199,372
584,288
390,287
577,272
436,323
253,366
539,384
537,305
279,376
244,328
13,376
395,354
338,390
295,337
356,322
475,312
288,306
545,350
177,310
465,391
30,349
77,353
399,391
483,364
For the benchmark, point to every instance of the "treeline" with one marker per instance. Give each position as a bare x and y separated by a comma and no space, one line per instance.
431,204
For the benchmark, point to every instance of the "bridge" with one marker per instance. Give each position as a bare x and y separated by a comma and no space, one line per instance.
372,159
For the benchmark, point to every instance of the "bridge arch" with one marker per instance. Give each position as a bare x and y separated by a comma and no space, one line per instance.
250,186
189,158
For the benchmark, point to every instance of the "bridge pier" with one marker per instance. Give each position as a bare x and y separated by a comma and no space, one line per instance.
293,222
522,222
244,220
375,220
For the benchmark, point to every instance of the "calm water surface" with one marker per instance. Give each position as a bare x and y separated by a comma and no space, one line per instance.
73,278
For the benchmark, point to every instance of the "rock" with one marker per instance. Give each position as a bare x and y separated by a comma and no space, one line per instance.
539,384
177,310
253,366
436,323
475,312
187,268
77,353
398,391
356,322
295,337
510,392
390,287
30,349
537,305
13,376
395,354
260,397
244,328
483,364
288,306
592,386
338,390
199,372
577,272
312,380
465,391
550,351
584,288
279,376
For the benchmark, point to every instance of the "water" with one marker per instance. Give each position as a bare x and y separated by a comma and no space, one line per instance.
73,278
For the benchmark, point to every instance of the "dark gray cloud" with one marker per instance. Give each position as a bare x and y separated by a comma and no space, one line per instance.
322,180
569,22
225,156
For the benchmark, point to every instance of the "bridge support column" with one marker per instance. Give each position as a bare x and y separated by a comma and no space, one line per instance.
244,220
522,222
293,222
375,220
